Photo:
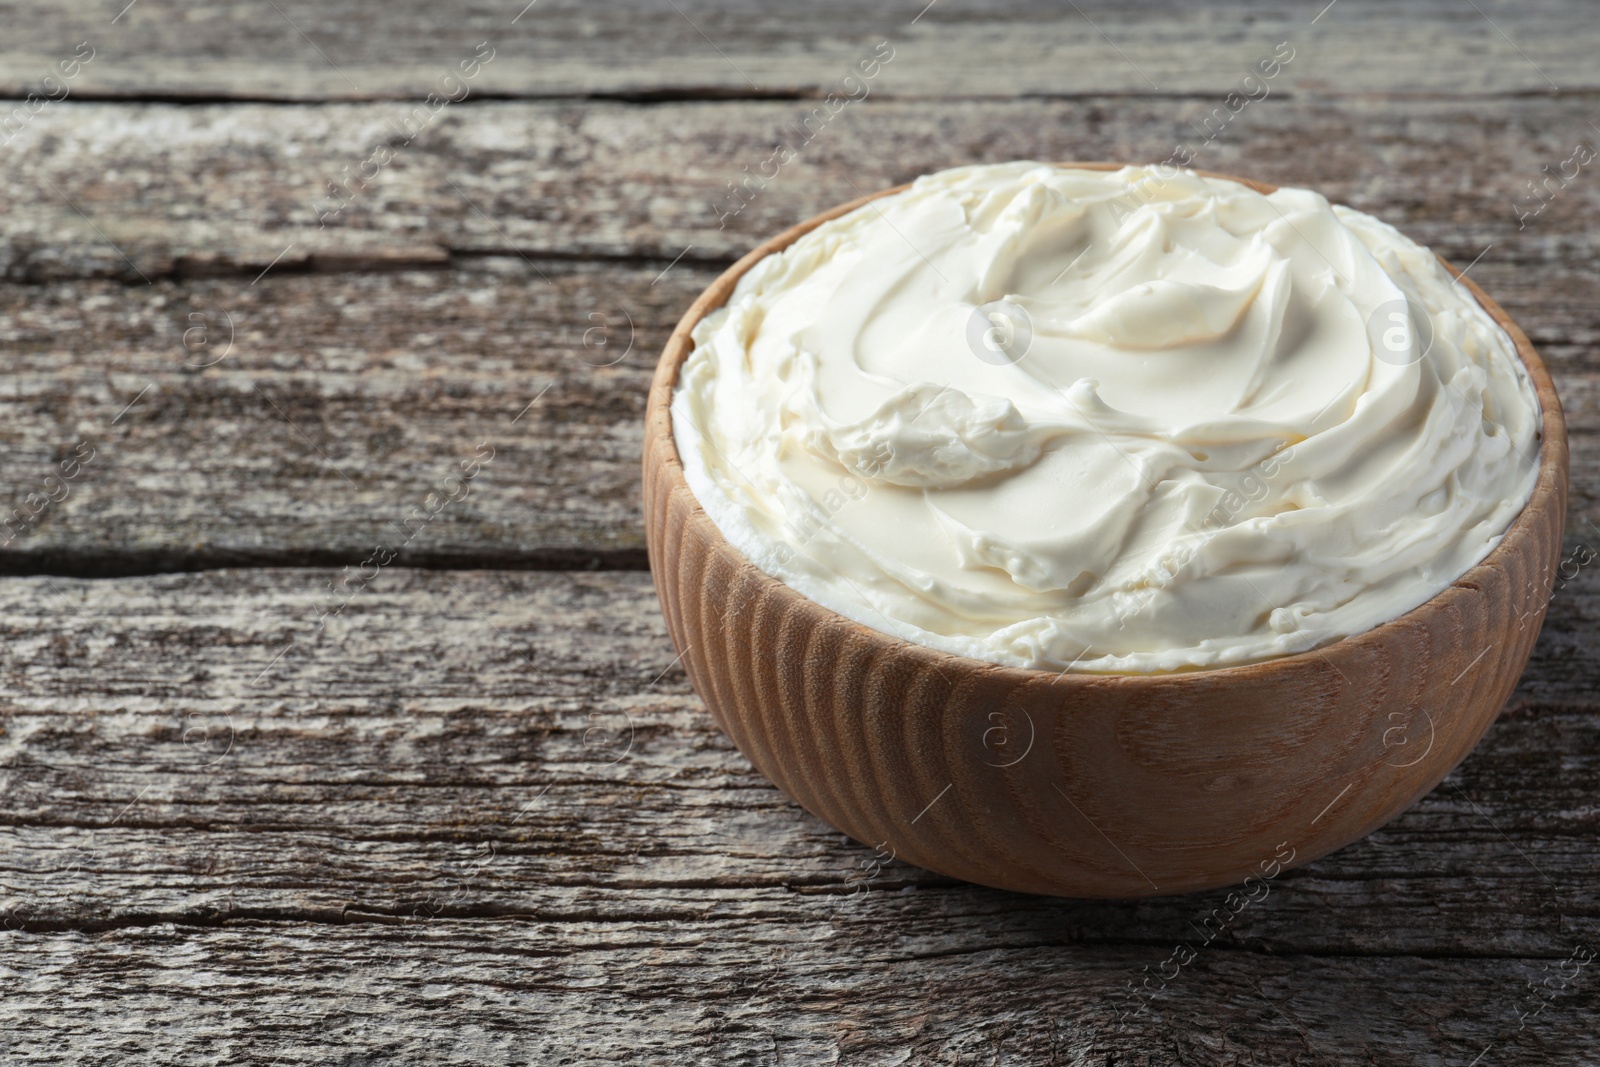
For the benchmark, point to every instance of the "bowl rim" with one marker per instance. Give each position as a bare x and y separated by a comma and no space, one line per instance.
1549,486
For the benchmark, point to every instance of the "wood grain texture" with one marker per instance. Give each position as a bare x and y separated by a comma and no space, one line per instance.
389,376
346,50
187,191
330,415
157,738
347,869
395,377
214,861
530,990
1176,782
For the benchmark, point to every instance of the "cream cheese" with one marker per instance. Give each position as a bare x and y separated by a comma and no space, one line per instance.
1132,421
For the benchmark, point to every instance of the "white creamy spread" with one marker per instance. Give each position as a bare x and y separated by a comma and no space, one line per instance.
1131,421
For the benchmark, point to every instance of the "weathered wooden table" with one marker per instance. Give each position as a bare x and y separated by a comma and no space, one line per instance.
339,723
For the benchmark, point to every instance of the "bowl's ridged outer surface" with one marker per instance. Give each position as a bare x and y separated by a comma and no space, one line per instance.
1091,785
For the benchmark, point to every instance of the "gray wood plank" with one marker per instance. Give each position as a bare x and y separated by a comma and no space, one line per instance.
345,402
385,349
339,420
481,818
346,50
144,192
198,745
572,989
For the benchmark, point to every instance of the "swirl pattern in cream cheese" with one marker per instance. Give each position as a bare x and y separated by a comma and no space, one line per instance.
1223,426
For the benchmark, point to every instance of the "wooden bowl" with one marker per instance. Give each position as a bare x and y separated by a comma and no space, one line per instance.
1079,784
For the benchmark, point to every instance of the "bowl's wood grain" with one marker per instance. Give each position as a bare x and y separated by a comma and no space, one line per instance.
1092,785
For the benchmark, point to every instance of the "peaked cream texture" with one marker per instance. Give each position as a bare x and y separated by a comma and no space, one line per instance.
1131,421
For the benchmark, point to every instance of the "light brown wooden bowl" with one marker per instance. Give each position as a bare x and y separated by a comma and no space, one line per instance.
1091,785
